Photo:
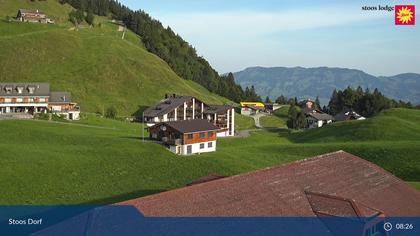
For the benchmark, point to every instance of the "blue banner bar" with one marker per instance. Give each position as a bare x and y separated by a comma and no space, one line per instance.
127,220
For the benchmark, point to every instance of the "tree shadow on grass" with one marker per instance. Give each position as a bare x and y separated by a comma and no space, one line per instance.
125,196
138,114
136,137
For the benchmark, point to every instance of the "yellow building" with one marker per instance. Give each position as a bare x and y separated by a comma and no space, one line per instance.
255,104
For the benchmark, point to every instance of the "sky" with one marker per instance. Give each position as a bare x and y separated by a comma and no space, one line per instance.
235,34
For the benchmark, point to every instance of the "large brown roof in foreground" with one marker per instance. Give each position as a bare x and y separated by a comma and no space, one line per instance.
288,190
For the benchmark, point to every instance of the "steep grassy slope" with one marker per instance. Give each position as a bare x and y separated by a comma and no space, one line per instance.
95,64
105,161
390,125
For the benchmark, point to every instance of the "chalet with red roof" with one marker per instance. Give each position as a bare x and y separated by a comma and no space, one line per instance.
34,16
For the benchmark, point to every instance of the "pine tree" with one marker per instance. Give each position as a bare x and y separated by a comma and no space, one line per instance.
317,103
90,17
334,104
281,100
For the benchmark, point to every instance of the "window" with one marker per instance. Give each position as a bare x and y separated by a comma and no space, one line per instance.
202,135
210,134
8,90
31,89
210,145
202,146
190,136
19,90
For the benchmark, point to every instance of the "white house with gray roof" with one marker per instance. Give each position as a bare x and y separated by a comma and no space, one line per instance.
27,99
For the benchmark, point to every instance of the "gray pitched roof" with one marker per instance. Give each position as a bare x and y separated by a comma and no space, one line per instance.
321,116
60,97
39,89
165,106
347,114
191,126
307,111
215,109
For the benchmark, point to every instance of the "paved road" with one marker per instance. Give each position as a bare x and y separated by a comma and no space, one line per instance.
257,119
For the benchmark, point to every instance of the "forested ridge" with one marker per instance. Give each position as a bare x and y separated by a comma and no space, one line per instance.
169,46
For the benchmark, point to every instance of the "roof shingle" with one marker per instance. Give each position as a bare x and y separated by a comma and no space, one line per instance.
190,126
282,191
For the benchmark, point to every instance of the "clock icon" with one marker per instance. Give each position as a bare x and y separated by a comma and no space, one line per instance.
387,226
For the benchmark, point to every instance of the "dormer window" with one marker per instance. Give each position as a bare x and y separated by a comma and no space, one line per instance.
8,89
31,89
19,89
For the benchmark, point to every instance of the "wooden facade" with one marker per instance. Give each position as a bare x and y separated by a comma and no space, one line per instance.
198,136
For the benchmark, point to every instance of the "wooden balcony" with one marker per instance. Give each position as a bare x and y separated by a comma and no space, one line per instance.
175,142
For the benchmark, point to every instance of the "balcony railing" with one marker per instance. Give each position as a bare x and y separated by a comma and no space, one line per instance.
21,102
172,141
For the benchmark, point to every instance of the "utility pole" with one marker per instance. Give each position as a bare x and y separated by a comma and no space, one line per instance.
142,120
123,36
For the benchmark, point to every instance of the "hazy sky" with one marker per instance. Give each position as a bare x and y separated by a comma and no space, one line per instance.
235,34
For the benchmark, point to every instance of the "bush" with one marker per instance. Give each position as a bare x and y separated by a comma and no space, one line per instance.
111,113
76,17
42,116
56,117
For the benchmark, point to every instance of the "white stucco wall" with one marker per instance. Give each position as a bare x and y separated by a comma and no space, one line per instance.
196,148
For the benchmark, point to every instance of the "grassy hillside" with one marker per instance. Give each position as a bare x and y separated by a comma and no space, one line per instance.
243,122
390,125
277,120
104,161
95,64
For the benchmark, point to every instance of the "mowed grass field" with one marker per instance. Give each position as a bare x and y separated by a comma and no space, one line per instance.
103,161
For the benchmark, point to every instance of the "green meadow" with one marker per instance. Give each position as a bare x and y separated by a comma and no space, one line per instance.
97,160
277,120
96,65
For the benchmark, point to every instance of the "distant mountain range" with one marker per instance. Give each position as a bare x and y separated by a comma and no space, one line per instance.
311,82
